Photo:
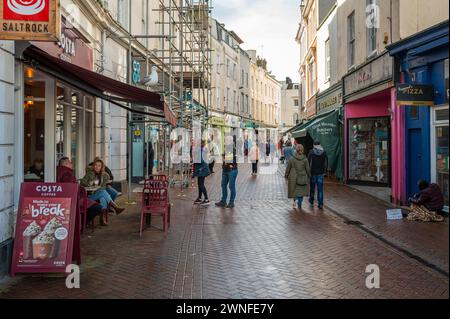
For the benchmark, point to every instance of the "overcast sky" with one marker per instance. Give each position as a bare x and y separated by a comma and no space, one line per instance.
269,26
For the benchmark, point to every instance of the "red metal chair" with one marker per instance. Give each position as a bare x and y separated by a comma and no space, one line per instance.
155,201
162,178
83,204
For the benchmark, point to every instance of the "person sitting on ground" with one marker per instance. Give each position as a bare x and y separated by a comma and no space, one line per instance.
65,174
430,196
97,177
37,168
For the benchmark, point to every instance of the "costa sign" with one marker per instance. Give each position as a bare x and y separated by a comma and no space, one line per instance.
36,20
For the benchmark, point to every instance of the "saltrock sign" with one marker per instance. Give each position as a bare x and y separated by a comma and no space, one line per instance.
36,20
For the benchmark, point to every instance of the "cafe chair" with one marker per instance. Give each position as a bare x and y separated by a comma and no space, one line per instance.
83,206
155,201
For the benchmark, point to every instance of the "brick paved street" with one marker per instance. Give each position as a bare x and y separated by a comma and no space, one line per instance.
261,249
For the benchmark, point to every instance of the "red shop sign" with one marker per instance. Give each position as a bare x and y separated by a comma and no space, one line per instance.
36,20
47,230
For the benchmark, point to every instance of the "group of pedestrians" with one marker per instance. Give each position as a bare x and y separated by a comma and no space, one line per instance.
202,169
305,174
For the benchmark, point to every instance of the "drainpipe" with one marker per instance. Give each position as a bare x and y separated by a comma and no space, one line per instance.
102,124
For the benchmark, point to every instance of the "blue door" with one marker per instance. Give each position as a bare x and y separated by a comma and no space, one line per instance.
415,171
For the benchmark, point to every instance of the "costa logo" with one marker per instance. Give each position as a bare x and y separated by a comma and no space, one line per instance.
27,10
49,189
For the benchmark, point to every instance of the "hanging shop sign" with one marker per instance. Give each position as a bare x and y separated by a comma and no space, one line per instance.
72,47
413,94
31,20
47,230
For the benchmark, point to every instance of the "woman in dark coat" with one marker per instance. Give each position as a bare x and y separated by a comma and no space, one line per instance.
201,171
298,173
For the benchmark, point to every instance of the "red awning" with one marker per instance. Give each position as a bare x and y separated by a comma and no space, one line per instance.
101,86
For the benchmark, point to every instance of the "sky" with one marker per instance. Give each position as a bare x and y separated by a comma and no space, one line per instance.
268,26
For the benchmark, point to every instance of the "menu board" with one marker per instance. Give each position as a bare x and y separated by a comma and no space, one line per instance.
46,229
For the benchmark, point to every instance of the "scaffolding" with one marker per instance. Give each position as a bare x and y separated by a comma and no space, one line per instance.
185,58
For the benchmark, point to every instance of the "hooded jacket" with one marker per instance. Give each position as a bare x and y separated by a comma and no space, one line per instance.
318,160
298,173
65,175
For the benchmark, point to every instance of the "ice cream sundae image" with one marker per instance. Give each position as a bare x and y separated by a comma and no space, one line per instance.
29,234
51,228
43,245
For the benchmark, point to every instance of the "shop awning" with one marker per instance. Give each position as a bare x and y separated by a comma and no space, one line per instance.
106,88
326,128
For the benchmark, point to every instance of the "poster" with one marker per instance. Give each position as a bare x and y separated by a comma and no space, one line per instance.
45,229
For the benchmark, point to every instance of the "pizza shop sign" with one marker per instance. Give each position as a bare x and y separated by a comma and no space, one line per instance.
34,20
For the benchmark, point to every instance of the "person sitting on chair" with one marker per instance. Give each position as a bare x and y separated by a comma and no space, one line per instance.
64,174
96,176
37,168
111,190
430,196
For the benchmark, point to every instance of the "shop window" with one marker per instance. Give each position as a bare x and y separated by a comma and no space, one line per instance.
442,143
74,128
441,115
34,126
369,154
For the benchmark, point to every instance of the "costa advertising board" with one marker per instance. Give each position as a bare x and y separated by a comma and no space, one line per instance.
47,230
36,20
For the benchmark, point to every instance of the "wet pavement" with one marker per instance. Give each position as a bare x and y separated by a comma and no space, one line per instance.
263,248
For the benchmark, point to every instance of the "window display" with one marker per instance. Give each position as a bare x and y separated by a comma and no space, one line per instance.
441,142
369,150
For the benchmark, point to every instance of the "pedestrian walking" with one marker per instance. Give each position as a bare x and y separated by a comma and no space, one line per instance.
254,158
201,171
229,172
318,161
297,174
288,152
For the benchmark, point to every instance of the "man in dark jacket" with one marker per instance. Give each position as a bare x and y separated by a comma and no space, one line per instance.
318,161
430,196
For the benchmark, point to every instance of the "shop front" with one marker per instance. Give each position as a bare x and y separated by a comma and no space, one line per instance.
327,129
369,98
58,118
58,94
423,60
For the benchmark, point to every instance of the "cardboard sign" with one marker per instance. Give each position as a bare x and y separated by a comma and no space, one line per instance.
37,20
47,228
394,214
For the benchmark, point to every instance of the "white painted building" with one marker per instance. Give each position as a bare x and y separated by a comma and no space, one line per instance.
290,104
